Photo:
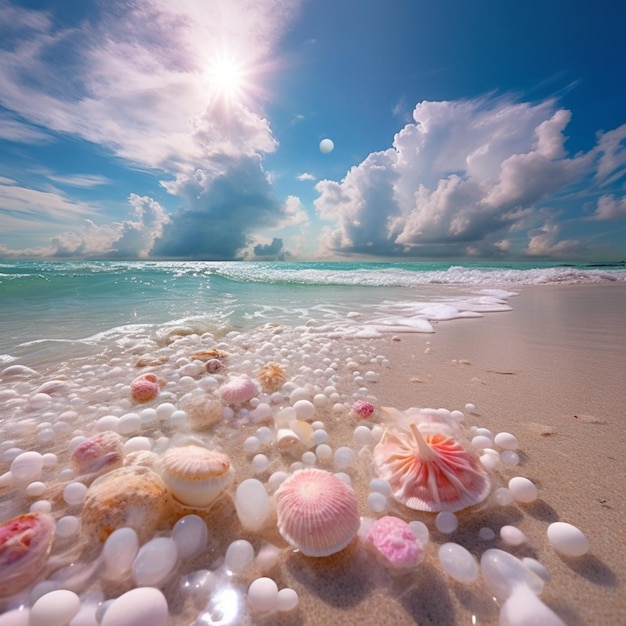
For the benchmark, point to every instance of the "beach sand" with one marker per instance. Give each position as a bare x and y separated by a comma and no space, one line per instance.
550,371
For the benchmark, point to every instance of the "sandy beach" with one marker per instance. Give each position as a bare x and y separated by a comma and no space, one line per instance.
550,371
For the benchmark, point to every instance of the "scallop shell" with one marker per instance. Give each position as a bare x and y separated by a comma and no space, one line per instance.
429,471
317,512
196,476
239,389
271,376
133,496
203,410
102,452
25,543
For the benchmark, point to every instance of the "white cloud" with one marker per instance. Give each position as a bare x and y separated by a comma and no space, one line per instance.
544,241
455,181
306,176
611,149
610,209
84,181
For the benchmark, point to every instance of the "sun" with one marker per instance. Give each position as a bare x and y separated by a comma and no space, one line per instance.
226,77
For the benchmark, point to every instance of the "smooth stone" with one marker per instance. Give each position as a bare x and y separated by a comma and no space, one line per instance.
523,490
27,466
509,457
190,534
381,486
252,504
16,617
420,530
75,493
458,562
538,568
512,536
377,502
524,608
67,526
567,539
502,571
446,522
343,457
55,608
138,607
263,594
119,552
506,441
155,561
239,556
287,600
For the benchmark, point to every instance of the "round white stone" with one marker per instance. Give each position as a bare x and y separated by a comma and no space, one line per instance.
343,457
119,552
305,409
252,504
503,496
263,594
155,561
377,502
260,463
480,442
67,526
287,600
362,436
506,441
27,466
55,608
74,493
138,607
512,536
567,539
239,556
190,534
510,458
420,530
446,522
523,490
381,486
458,562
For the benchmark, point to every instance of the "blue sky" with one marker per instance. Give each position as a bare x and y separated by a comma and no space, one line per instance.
191,130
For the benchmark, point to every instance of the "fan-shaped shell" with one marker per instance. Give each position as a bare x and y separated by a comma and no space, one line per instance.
25,543
317,512
429,471
239,389
196,476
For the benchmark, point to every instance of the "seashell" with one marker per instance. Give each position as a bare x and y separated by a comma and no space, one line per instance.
317,512
145,388
25,543
207,355
286,438
213,365
132,496
429,471
271,377
196,476
362,409
99,453
203,410
239,389
142,458
394,543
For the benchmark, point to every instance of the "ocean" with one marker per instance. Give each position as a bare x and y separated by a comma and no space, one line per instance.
52,311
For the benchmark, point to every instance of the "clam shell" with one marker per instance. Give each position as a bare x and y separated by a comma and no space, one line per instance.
132,496
98,453
317,512
196,476
25,543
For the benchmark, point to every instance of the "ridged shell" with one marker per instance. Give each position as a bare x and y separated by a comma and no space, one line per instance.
271,376
429,471
196,476
317,512
239,389
25,543
98,453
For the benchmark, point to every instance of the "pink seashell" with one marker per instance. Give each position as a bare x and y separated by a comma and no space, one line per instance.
239,389
145,388
317,512
213,365
196,476
25,543
363,409
395,544
429,471
100,452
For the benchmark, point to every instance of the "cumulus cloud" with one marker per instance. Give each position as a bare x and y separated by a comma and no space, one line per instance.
305,176
456,180
273,249
611,150
610,209
544,241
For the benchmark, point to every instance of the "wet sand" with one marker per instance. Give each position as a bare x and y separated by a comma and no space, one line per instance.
552,372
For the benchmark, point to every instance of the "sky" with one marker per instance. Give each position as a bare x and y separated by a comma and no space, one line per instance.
153,129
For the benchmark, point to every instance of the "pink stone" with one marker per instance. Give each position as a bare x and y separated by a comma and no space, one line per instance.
363,409
395,544
145,388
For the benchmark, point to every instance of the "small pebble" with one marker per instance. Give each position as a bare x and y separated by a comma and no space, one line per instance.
486,534
523,490
239,556
458,562
55,608
286,600
263,594
377,502
512,536
506,441
137,607
446,522
567,539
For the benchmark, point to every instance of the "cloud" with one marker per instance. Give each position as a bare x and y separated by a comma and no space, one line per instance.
84,181
306,176
222,209
273,249
544,242
611,149
457,180
15,130
134,78
610,209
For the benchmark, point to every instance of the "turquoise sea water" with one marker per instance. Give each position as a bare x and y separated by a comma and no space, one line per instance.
50,310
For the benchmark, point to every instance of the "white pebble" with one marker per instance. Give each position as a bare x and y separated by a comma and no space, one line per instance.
324,452
155,561
239,556
27,466
260,463
343,457
264,435
309,458
138,607
129,424
486,534
512,536
41,506
36,489
480,442
74,493
503,496
263,594
567,539
420,530
446,522
458,562
276,479
362,436
305,409
107,422
55,608
320,436
381,486
376,502
251,445
119,552
287,600
190,534
510,458
164,410
136,444
523,490
67,526
506,441
252,504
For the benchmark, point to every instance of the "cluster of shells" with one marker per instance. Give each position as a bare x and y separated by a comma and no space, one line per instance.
146,499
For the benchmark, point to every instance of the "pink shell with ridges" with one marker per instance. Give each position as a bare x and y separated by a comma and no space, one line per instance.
239,389
317,512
